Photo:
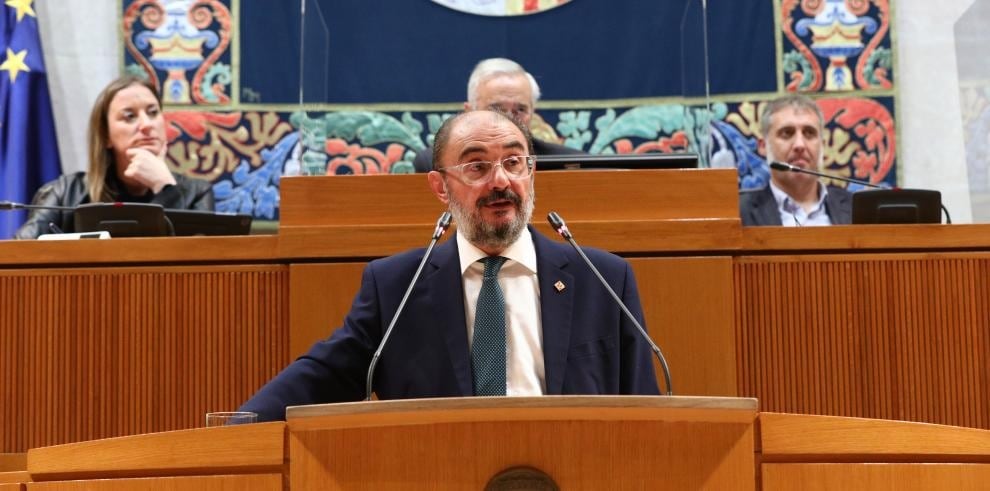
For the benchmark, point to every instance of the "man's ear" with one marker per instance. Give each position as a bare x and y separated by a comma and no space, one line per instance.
467,106
761,147
438,186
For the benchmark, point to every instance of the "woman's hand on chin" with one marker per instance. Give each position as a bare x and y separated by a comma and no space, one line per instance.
148,169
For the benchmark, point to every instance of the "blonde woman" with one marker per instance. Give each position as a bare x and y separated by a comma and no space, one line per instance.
127,146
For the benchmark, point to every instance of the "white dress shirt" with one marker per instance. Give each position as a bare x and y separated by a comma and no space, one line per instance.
792,214
524,370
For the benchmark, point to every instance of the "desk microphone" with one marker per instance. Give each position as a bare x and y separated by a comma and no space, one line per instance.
10,205
442,224
558,224
793,168
52,227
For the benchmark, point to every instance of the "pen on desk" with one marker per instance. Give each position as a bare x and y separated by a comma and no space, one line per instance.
54,228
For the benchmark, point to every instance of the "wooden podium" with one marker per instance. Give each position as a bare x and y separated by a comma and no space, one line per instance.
580,442
584,442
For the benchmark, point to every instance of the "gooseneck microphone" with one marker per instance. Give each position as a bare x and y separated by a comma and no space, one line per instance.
10,205
793,168
558,224
52,227
442,224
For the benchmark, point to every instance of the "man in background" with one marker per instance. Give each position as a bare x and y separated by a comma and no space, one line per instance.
502,85
792,128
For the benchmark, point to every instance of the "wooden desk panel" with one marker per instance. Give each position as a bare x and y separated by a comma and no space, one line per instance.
890,336
95,353
236,449
828,452
900,477
250,482
117,252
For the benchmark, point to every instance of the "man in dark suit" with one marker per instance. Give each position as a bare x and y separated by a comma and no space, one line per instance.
792,133
560,331
502,85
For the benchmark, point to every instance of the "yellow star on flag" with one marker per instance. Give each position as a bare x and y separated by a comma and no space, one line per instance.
14,64
22,6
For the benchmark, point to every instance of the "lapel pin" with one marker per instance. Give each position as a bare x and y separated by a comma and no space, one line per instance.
559,285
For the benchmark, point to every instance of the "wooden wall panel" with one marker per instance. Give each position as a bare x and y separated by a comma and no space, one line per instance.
11,462
878,336
688,307
95,353
321,295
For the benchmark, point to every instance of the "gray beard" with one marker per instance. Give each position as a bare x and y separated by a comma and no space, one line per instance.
485,235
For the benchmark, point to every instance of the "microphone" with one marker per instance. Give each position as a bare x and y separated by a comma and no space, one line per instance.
442,224
558,224
10,205
793,168
52,227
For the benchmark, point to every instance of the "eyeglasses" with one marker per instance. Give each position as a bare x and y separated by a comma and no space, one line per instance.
515,167
516,110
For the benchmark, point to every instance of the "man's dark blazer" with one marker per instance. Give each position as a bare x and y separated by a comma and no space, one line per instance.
589,346
758,207
424,158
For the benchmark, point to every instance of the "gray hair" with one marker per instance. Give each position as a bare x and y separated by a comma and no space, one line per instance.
797,101
491,67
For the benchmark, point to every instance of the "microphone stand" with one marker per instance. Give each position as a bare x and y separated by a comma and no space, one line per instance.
442,224
10,205
793,168
558,224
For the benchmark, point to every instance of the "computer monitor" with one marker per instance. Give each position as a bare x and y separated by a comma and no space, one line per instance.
192,222
897,206
122,219
627,161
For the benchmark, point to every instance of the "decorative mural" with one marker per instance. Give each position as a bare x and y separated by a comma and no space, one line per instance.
837,51
183,46
836,45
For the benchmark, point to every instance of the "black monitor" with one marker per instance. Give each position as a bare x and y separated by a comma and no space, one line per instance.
122,219
629,161
190,222
897,206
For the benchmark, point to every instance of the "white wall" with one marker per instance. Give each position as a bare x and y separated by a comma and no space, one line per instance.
80,41
932,153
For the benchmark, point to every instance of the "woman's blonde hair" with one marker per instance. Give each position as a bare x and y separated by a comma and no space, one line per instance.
101,158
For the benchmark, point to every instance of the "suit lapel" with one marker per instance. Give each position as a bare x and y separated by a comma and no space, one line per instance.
838,206
556,306
445,289
766,208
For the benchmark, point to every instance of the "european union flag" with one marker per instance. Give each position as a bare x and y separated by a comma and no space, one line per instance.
28,148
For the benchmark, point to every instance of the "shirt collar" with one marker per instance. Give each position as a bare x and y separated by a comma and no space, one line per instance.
521,251
786,203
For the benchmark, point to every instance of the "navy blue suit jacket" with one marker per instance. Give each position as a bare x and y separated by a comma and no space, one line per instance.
589,346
